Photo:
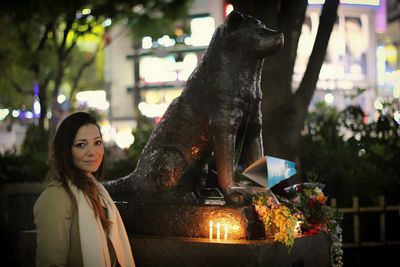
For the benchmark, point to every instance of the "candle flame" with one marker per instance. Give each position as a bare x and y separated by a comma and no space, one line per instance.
231,228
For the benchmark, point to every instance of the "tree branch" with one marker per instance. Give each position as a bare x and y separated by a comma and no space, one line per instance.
291,19
80,73
19,88
43,39
308,83
67,29
24,39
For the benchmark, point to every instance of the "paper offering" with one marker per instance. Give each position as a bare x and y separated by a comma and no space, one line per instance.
269,171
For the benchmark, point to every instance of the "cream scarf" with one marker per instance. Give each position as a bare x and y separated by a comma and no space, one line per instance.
94,246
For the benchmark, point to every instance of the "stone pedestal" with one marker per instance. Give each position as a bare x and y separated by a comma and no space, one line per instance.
171,234
313,251
188,220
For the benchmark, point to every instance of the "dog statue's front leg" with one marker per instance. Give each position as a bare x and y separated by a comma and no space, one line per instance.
253,145
223,137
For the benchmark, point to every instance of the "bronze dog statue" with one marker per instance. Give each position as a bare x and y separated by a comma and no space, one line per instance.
219,108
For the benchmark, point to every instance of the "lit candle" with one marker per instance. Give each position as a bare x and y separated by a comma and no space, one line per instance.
226,232
218,231
211,229
297,228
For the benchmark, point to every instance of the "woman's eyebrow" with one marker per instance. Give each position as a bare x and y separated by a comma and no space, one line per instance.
80,140
85,140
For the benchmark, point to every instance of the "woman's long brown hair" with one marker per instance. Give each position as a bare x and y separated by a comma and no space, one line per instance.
63,169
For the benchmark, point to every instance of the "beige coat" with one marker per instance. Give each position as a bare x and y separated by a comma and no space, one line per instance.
58,242
57,225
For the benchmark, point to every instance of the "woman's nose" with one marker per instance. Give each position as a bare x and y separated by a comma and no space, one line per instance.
90,150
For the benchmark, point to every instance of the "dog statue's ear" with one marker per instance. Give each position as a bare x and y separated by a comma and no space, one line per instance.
234,19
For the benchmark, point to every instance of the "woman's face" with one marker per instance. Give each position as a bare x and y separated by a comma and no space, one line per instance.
88,149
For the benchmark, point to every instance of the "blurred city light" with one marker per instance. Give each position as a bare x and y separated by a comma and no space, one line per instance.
329,98
152,110
124,138
3,113
378,104
202,30
396,81
61,99
86,11
36,107
166,41
28,115
93,99
147,42
107,131
381,64
351,2
228,9
396,116
107,22
15,113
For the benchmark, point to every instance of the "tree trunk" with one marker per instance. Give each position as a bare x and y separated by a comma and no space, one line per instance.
43,105
284,109
137,98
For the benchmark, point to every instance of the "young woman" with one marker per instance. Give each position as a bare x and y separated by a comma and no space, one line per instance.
77,222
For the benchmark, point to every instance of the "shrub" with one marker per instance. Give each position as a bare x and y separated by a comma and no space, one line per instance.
354,157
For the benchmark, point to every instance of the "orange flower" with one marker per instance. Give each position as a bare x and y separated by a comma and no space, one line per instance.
321,198
261,210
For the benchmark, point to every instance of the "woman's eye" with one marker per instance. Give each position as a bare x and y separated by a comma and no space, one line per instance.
99,142
80,145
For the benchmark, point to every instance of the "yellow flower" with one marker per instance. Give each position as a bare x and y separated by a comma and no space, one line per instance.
261,210
278,220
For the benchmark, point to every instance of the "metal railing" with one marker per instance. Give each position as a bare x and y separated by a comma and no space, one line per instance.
355,211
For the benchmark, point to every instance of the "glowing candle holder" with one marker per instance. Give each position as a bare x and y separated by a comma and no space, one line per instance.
218,231
211,230
297,228
225,232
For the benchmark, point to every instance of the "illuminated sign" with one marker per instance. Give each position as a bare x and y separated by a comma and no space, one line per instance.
351,2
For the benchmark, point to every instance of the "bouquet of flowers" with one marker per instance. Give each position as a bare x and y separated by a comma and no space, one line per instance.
306,206
318,216
279,220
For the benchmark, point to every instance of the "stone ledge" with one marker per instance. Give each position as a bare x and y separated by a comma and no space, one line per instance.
308,251
312,251
143,218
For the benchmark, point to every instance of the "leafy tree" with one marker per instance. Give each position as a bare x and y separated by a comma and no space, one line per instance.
40,41
284,107
350,154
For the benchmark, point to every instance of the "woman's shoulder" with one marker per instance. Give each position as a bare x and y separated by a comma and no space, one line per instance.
53,208
54,188
54,195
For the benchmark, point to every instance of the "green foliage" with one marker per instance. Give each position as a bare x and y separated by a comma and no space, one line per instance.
36,141
354,157
40,42
156,18
31,164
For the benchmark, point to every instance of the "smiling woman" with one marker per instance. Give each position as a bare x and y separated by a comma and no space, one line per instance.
77,221
88,149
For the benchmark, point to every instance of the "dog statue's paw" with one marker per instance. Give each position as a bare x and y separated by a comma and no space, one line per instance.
235,197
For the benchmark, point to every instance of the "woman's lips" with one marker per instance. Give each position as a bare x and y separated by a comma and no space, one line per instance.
91,161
